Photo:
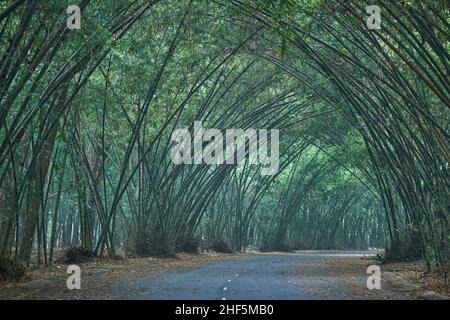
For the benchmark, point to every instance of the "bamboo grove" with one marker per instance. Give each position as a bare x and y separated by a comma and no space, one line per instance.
87,115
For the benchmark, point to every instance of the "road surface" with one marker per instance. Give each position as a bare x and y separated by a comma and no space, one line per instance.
292,276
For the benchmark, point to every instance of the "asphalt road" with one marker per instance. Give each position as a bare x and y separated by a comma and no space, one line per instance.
293,276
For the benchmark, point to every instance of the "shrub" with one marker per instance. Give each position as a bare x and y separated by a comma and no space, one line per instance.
407,248
78,255
188,244
11,269
153,246
298,245
221,246
266,247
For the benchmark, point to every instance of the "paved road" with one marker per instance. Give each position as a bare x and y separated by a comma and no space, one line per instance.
300,275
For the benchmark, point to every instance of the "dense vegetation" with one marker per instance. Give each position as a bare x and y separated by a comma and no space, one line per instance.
87,115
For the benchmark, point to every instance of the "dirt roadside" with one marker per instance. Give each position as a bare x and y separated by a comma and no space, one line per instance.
410,278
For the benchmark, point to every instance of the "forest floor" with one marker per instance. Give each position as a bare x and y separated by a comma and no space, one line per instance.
414,278
297,275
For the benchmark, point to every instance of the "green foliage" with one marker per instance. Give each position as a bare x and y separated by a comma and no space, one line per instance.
87,117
